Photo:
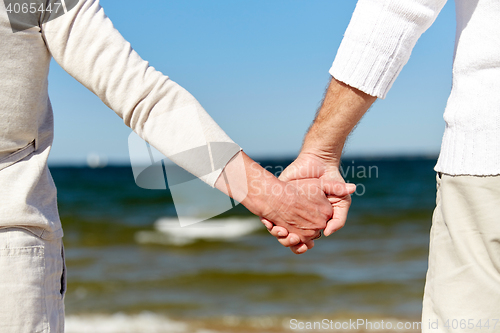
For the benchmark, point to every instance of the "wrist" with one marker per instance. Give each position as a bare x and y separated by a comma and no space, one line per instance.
325,141
340,111
329,155
262,188
247,182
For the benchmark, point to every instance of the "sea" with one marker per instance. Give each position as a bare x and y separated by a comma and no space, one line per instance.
133,268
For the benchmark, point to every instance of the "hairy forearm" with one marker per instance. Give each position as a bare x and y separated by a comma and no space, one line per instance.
342,108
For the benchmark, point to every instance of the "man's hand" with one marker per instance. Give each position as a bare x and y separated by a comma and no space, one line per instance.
340,111
309,167
301,208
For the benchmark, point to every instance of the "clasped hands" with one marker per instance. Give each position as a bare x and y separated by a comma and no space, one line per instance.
310,196
317,199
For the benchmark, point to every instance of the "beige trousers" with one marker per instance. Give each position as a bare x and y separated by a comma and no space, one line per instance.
462,290
32,283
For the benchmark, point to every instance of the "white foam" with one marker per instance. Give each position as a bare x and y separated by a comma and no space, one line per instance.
169,231
122,323
148,322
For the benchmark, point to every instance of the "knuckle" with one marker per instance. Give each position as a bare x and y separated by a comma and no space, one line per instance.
326,211
320,222
309,233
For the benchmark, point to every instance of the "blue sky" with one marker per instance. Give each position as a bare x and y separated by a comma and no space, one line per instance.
260,69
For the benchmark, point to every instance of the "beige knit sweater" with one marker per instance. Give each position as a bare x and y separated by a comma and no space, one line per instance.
85,43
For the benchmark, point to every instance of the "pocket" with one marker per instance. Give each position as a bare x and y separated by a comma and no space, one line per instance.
64,285
439,175
22,271
18,155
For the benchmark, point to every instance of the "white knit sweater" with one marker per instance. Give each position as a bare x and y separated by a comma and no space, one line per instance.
85,43
378,43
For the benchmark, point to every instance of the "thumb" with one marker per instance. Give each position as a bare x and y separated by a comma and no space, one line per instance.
290,173
351,188
337,188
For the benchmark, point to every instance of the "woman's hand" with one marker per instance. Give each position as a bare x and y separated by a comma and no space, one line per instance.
299,207
314,167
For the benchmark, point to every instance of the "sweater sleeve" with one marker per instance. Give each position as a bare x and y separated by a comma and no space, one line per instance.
86,45
379,40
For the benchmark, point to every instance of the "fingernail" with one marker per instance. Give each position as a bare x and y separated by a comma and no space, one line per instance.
281,233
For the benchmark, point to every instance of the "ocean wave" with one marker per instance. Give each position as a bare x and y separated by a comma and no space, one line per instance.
122,323
149,322
168,231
